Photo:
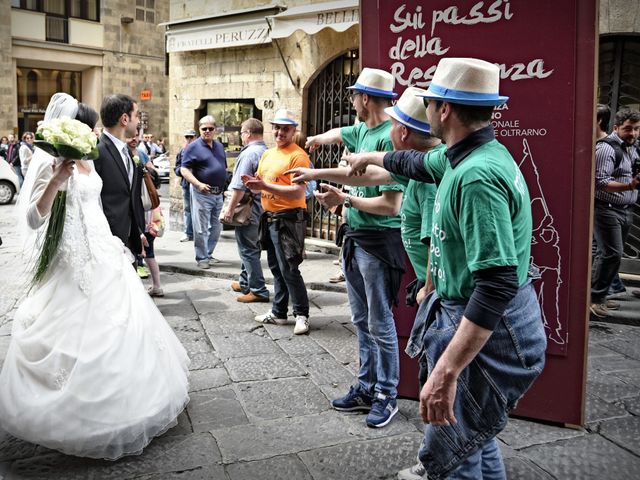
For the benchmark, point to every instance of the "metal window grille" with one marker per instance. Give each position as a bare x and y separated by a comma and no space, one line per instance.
619,87
329,107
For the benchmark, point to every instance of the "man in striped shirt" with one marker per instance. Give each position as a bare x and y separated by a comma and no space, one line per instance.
616,192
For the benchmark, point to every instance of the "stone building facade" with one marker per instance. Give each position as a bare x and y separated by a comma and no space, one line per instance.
230,64
88,49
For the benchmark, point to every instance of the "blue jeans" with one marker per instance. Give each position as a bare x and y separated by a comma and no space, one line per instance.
611,227
186,211
205,211
372,316
251,277
488,388
287,281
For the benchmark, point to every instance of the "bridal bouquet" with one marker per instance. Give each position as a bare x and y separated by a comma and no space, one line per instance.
61,138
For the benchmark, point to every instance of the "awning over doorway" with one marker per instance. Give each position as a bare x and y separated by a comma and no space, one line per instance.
339,16
231,29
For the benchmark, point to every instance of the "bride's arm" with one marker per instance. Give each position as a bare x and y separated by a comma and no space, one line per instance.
49,180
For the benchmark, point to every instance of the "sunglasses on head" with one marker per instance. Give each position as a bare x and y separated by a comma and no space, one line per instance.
207,129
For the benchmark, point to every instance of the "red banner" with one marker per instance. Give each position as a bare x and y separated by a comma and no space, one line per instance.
546,54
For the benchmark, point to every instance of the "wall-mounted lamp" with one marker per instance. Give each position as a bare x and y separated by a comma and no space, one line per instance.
126,20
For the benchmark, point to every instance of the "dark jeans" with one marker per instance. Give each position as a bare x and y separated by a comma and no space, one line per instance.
251,277
611,226
287,280
186,206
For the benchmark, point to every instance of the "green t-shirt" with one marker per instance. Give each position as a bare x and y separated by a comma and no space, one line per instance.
415,214
360,138
481,218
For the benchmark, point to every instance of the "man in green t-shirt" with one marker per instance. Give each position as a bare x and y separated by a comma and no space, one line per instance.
373,259
481,336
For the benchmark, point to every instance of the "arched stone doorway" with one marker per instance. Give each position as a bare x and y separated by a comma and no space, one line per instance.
329,107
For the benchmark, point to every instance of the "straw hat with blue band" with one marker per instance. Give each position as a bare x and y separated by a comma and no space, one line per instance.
375,82
284,117
409,110
466,81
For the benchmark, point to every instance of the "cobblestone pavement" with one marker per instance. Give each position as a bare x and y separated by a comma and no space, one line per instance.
260,401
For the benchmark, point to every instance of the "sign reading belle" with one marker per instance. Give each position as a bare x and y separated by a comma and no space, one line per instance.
545,51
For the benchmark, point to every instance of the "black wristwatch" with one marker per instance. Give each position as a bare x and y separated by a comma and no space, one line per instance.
347,202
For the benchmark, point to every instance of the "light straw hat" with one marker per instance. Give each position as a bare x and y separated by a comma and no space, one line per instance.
284,117
467,81
375,82
409,110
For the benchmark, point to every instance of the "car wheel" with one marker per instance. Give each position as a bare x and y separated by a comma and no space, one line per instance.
7,191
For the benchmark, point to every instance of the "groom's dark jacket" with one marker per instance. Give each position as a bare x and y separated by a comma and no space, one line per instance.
122,204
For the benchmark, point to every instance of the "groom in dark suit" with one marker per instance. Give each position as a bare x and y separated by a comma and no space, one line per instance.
121,177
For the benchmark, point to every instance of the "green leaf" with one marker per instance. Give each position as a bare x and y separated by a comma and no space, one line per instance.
47,147
93,154
69,152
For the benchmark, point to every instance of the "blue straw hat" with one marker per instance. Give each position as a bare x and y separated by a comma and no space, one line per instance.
375,82
284,117
467,81
409,110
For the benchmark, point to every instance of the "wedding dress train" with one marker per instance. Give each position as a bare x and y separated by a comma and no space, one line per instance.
93,369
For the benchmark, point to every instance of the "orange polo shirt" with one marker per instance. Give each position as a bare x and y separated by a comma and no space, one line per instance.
273,164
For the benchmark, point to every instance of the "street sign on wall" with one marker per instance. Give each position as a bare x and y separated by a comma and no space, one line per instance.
546,54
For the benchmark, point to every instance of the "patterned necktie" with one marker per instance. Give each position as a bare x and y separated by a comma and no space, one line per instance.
127,164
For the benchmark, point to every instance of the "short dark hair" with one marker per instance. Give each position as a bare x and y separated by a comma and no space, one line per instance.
603,116
253,125
626,114
379,101
470,114
87,115
113,106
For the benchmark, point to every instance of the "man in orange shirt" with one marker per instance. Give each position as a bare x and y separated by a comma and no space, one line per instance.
284,222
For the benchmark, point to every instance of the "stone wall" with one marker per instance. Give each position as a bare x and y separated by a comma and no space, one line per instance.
134,59
8,86
256,72
619,16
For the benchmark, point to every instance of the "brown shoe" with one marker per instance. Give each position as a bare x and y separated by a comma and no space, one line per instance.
611,305
600,310
235,286
337,278
252,298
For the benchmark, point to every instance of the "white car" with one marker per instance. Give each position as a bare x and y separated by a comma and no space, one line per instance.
163,167
9,183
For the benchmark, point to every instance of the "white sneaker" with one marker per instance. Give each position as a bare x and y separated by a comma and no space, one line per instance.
302,325
270,317
415,472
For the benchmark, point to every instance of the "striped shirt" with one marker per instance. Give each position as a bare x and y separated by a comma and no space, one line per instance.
606,172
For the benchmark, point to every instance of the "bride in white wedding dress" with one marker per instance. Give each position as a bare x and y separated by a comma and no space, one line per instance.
93,369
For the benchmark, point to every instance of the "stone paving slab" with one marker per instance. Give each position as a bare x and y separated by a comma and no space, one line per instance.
208,378
164,454
523,469
206,360
263,367
183,427
632,405
624,432
339,342
12,448
214,409
627,346
598,410
243,344
608,387
585,458
357,425
281,398
324,369
368,459
614,363
631,377
281,437
519,434
230,321
207,472
285,467
300,345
